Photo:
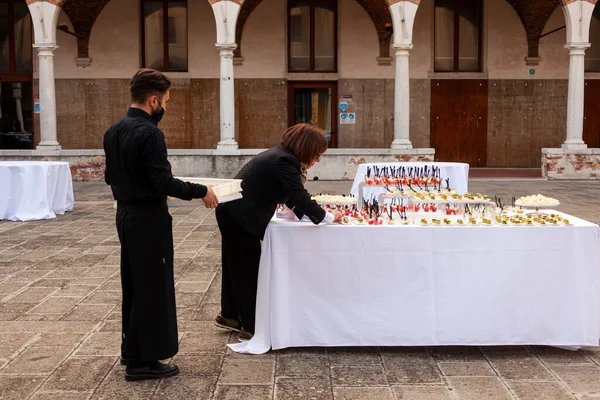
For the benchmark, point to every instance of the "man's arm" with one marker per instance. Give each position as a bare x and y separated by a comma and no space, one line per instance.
154,154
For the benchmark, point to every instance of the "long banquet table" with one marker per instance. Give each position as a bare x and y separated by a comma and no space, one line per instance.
417,286
35,190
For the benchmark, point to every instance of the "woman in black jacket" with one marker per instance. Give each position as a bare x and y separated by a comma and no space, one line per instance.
273,177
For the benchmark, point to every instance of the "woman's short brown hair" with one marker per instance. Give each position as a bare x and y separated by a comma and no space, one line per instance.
307,142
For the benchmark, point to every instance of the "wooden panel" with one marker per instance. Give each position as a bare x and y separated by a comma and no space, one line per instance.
261,106
106,101
550,97
459,120
510,123
420,107
70,113
176,124
591,112
205,117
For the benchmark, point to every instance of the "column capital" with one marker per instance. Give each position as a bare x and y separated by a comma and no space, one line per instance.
226,46
577,48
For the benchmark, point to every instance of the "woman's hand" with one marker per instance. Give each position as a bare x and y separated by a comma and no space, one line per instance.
337,216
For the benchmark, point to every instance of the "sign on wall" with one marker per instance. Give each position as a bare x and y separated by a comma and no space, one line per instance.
347,114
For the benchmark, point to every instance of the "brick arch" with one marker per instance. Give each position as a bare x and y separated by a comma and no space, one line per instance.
534,15
377,10
83,14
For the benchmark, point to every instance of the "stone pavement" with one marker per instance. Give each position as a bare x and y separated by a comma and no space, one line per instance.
60,323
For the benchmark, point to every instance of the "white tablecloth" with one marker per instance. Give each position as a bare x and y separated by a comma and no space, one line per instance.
458,173
422,286
33,190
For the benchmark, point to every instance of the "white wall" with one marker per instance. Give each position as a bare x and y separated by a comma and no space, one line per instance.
555,58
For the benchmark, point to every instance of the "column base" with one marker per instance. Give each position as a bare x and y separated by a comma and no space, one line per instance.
48,147
401,144
227,146
574,145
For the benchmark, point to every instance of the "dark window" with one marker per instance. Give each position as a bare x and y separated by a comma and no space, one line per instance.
458,33
164,35
312,44
592,57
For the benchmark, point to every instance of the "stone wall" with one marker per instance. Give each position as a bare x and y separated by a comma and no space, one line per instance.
561,164
336,164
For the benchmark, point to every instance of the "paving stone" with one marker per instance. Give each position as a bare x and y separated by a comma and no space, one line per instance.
51,283
553,355
11,343
192,287
114,386
214,341
36,361
61,396
235,392
539,391
55,305
456,353
247,372
366,393
32,295
47,327
301,366
74,290
66,340
189,387
422,392
480,368
12,311
359,375
207,312
18,387
510,366
103,298
579,378
354,356
316,388
101,344
85,312
479,388
80,374
411,368
199,364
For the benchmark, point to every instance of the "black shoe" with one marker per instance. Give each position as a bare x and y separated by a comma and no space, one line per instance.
151,370
228,323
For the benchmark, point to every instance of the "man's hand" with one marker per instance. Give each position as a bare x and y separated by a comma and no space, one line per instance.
210,200
337,216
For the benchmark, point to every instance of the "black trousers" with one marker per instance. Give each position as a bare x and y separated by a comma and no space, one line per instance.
240,253
149,313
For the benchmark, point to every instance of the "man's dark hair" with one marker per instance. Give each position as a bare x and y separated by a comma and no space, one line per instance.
148,82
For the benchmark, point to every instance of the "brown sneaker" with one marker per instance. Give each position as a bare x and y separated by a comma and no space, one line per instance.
245,336
228,323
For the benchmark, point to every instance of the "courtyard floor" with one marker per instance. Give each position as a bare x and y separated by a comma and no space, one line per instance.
60,323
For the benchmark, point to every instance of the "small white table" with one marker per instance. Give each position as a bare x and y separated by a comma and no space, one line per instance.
35,190
457,173
334,285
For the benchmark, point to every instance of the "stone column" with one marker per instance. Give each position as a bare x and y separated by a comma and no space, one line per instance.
402,99
44,15
226,13
18,96
227,99
576,97
403,19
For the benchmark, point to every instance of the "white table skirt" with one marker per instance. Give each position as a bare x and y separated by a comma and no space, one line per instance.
424,286
34,190
458,173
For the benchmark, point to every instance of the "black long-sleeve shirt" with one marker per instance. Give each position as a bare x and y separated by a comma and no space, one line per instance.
137,168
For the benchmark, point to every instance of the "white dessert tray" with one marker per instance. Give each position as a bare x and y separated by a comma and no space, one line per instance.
225,189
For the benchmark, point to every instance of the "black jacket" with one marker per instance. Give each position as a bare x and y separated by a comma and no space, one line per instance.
271,178
137,168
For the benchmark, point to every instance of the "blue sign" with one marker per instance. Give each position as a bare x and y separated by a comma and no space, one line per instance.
343,106
36,107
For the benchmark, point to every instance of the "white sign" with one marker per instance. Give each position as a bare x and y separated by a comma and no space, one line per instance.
351,118
343,118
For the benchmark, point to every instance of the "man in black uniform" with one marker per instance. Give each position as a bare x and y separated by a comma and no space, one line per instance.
140,177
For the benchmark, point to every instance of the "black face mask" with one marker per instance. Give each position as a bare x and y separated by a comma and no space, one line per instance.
158,115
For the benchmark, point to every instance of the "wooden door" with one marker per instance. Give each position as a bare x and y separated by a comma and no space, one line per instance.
314,103
459,120
591,113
